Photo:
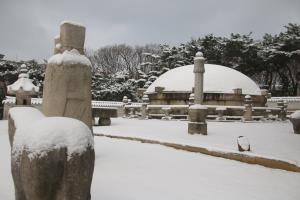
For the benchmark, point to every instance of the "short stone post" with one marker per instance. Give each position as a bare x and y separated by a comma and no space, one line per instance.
220,111
125,103
283,107
192,99
248,109
145,100
295,119
166,111
198,112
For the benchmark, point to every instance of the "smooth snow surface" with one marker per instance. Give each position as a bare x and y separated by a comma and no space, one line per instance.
268,139
217,79
126,170
24,116
71,57
39,134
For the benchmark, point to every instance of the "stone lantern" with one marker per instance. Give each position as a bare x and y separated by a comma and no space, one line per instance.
23,88
198,112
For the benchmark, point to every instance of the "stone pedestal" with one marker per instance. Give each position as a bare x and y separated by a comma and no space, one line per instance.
197,116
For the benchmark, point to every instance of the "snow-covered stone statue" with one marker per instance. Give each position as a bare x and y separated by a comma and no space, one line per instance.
198,112
51,157
52,152
23,88
67,86
295,119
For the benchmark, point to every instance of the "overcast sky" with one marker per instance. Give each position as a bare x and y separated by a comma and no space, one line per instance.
27,27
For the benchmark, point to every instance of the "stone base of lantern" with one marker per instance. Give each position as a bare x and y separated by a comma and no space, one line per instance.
197,128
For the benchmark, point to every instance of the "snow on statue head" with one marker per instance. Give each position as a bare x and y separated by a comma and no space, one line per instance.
67,86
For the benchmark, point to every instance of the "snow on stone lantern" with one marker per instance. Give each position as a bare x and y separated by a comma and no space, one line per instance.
23,88
198,112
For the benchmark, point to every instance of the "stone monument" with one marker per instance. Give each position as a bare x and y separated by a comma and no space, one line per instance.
67,85
198,112
53,152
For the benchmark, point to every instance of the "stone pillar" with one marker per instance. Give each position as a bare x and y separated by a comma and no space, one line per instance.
198,112
125,103
283,107
145,100
248,109
67,85
166,111
199,78
220,111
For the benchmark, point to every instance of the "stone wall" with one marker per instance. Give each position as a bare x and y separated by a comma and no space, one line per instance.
182,98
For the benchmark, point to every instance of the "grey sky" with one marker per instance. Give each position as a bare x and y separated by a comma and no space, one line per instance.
27,27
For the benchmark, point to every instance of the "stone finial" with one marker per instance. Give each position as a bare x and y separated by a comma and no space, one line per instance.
199,63
199,54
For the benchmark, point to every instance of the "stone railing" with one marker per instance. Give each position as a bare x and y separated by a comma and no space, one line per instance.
214,112
293,103
136,109
287,99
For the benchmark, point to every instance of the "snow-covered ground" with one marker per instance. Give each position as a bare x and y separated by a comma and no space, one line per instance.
131,170
269,139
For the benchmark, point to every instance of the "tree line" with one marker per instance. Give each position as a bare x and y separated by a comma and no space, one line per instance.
273,62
